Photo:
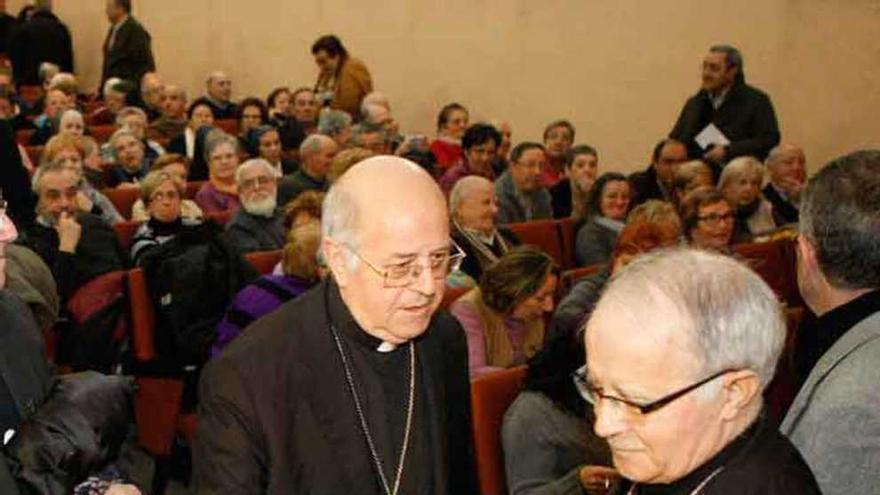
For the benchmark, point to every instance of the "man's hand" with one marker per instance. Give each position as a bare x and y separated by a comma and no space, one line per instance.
597,479
716,154
69,232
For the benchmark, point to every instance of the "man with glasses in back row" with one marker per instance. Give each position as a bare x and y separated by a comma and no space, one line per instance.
356,386
677,361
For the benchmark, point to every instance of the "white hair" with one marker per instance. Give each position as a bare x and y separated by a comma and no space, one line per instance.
462,190
311,145
71,114
738,167
732,318
109,84
129,111
253,163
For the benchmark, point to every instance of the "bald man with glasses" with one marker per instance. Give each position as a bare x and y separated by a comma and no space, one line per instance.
677,361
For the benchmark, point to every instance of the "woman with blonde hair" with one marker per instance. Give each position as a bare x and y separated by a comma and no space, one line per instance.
503,317
740,183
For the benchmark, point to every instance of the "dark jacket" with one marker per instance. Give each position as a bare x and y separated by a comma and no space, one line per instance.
97,252
292,185
43,38
475,261
760,461
594,243
275,416
783,211
249,233
746,117
15,181
645,186
131,55
561,199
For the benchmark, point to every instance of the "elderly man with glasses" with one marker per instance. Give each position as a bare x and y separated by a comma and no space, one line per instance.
258,225
356,386
677,361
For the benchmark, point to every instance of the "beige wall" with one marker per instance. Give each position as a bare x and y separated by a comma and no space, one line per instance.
619,69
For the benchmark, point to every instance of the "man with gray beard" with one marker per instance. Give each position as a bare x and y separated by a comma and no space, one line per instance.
258,224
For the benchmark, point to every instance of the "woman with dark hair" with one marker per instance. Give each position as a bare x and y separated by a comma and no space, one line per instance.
479,144
452,121
265,142
709,219
278,104
503,317
549,445
570,195
252,114
199,114
607,208
344,80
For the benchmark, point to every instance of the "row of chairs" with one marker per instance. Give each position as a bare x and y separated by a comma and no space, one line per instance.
102,133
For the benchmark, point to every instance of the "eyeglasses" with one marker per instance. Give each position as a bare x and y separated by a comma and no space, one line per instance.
258,181
714,218
163,195
594,395
441,263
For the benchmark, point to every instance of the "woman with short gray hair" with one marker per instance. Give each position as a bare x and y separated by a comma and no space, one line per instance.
220,193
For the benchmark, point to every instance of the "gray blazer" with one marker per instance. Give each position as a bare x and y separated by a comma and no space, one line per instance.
835,418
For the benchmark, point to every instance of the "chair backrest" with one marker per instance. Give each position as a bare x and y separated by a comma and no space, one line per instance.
192,187
570,277
143,319
543,234
34,153
567,236
125,231
221,217
30,94
23,136
264,261
102,133
230,126
775,262
123,198
491,395
781,391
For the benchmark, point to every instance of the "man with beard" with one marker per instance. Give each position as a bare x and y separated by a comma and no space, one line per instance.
258,225
355,387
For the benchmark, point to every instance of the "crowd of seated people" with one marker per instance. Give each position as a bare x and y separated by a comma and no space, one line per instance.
262,167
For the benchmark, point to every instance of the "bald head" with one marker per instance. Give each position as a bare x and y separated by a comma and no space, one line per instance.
219,86
787,167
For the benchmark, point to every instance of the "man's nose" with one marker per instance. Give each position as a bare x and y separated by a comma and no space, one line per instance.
609,419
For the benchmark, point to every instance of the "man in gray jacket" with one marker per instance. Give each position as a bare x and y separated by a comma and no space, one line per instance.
835,418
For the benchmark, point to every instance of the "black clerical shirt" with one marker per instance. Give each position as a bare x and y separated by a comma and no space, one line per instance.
759,461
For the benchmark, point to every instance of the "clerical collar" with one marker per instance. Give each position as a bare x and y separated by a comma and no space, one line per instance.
487,239
348,327
738,448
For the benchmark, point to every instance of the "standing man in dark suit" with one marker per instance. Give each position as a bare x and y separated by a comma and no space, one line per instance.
42,38
742,113
127,51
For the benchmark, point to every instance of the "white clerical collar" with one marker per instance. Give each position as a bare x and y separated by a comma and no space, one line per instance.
386,347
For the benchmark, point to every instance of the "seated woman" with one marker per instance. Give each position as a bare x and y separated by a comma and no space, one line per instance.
161,193
265,142
548,442
472,209
570,195
278,103
607,208
658,229
451,124
708,220
252,114
503,318
740,183
220,193
199,114
131,161
690,176
68,151
72,123
300,271
177,166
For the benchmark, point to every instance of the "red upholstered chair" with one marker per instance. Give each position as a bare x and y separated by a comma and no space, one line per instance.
30,94
781,391
221,217
567,236
570,277
491,395
264,261
158,399
543,234
125,232
230,126
23,136
192,187
101,133
123,199
775,262
34,153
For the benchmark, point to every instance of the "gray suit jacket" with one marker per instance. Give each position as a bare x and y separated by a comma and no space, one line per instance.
835,418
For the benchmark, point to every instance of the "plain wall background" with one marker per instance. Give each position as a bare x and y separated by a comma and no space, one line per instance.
620,70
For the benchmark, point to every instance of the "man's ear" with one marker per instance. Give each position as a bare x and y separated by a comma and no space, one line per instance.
337,260
741,389
807,252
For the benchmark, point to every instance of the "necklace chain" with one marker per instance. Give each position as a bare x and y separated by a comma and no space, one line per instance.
363,420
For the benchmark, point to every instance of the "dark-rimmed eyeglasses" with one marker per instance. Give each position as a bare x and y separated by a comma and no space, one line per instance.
441,264
714,218
594,395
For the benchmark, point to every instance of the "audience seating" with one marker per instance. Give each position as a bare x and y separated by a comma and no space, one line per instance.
30,94
125,231
264,261
123,198
221,217
34,153
543,234
781,391
193,187
567,236
23,136
570,277
491,395
230,126
776,263
450,295
101,133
